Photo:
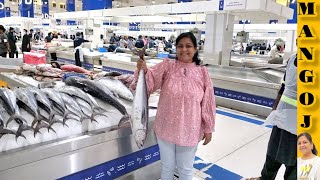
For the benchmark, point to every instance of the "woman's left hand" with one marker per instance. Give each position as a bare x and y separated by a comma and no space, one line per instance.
207,138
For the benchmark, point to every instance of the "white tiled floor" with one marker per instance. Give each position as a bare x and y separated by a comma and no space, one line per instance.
237,146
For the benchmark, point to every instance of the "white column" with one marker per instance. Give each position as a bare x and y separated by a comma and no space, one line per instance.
291,37
291,46
218,39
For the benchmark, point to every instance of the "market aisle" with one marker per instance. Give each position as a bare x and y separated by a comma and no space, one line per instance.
237,151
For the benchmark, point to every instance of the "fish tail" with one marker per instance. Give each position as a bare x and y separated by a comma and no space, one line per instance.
124,121
93,119
51,116
50,128
19,119
23,127
94,114
18,135
67,113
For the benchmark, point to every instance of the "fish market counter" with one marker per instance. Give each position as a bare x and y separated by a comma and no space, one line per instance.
102,153
90,58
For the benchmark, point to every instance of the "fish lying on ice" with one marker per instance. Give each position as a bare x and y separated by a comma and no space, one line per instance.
8,101
79,93
73,106
44,103
28,102
57,102
117,87
96,89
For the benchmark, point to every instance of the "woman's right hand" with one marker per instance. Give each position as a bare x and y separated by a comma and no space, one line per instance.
141,64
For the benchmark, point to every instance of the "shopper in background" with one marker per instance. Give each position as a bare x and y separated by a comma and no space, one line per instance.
26,45
139,43
48,38
77,46
309,162
275,55
282,146
4,45
12,42
186,109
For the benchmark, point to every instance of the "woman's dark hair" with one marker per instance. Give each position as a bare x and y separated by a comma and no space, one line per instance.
190,35
2,28
308,136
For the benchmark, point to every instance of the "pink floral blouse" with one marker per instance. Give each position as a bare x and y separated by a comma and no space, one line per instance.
186,106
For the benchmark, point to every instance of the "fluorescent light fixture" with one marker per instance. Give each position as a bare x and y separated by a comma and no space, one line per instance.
153,2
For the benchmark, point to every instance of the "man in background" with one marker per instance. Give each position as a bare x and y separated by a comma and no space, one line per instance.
12,42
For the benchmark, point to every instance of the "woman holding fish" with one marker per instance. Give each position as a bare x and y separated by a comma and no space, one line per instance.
186,109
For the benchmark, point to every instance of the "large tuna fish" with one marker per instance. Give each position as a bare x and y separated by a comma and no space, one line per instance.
140,115
57,102
8,101
28,102
73,106
117,87
98,90
44,103
79,93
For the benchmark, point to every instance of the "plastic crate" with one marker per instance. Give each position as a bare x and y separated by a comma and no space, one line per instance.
34,58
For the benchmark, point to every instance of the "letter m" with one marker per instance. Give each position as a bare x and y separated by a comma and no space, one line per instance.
304,7
306,52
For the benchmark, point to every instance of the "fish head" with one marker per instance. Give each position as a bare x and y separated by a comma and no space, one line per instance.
140,137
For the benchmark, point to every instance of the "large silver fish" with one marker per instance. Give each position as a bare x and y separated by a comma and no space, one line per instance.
73,106
140,115
98,90
79,93
44,102
117,87
8,101
28,102
57,101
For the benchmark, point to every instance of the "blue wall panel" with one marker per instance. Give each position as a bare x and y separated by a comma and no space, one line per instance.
26,8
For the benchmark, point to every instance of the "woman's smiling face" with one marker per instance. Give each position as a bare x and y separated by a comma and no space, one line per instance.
304,145
185,50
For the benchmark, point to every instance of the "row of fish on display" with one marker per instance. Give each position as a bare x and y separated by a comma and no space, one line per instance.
31,115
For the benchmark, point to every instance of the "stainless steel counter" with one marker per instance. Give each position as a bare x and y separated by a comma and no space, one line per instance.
84,155
60,158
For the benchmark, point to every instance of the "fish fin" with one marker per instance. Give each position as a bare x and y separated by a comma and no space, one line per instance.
23,127
17,136
17,118
124,121
34,122
84,117
4,131
51,116
54,121
94,114
50,128
67,112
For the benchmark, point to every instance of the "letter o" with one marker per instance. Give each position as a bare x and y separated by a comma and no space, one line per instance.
304,96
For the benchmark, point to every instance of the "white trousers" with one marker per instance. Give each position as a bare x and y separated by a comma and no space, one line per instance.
173,156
